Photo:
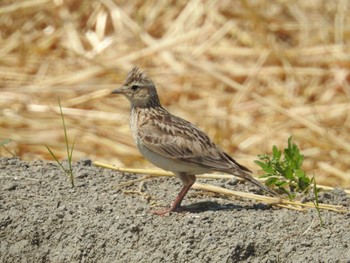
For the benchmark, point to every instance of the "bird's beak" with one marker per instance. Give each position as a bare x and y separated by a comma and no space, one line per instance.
121,90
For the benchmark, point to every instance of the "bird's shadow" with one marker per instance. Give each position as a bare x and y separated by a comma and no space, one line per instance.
204,206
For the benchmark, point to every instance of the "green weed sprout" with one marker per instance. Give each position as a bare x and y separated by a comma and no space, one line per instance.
68,171
285,173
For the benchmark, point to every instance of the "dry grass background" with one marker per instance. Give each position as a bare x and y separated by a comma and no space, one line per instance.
250,73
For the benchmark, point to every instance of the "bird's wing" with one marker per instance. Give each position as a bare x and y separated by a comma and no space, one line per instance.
178,139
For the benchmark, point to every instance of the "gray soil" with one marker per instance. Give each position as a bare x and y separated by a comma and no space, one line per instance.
43,219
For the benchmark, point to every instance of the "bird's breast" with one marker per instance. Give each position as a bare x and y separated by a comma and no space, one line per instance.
134,123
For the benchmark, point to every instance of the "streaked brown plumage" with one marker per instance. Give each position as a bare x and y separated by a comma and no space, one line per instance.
172,143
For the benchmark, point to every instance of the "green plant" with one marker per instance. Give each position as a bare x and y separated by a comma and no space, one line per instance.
285,172
315,202
68,171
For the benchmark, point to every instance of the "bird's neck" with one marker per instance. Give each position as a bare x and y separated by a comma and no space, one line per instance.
150,103
148,111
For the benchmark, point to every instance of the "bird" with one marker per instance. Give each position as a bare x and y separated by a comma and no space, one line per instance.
172,143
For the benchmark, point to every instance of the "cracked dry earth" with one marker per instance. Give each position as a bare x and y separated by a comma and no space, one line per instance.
43,219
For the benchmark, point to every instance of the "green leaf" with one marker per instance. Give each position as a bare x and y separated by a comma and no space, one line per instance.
282,184
300,174
291,196
271,181
265,167
264,157
69,171
57,161
261,164
304,183
289,174
276,153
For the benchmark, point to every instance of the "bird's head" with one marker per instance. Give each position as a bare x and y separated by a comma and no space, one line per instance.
139,89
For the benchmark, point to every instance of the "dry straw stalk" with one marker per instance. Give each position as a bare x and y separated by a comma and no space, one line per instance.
249,73
278,202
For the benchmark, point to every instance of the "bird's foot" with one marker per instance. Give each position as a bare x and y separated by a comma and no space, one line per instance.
168,211
162,212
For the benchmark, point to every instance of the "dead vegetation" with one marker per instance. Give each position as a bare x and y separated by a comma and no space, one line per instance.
250,73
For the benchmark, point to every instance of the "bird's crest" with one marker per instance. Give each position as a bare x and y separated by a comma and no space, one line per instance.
137,75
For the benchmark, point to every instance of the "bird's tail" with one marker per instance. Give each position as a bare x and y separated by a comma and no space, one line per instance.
243,172
247,176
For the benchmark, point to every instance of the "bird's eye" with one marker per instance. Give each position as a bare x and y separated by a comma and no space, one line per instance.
135,87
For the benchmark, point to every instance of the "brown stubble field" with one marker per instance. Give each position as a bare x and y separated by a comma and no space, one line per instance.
249,73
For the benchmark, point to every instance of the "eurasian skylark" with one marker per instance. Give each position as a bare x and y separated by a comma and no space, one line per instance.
172,143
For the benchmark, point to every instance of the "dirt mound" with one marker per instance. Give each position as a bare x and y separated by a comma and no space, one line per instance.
43,219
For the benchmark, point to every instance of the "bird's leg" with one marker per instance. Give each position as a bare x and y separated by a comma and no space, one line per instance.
188,181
